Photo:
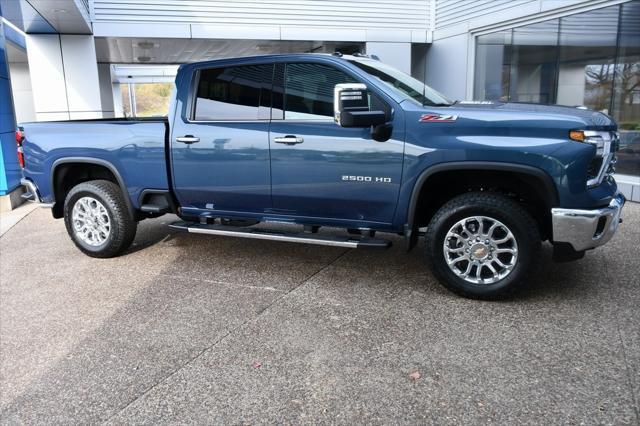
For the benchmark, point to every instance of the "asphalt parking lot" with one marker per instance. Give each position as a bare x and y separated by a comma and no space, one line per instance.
188,328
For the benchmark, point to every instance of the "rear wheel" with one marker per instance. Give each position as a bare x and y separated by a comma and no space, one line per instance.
482,245
97,219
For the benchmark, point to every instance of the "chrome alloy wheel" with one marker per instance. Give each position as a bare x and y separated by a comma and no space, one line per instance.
91,222
480,250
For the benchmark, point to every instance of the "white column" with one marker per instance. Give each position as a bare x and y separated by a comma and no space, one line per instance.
106,91
22,93
394,54
64,77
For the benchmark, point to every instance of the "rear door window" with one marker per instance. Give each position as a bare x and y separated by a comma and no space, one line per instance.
234,93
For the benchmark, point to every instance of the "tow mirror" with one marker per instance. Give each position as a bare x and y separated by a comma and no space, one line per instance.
351,106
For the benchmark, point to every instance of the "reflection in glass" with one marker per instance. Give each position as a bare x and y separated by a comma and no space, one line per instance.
626,96
232,93
533,63
587,58
309,90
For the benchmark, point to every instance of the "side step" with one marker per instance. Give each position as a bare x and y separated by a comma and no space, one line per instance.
155,208
292,237
28,196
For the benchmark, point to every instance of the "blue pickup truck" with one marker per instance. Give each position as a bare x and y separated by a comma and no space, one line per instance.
341,141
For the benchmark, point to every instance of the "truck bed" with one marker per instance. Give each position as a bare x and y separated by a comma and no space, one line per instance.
135,148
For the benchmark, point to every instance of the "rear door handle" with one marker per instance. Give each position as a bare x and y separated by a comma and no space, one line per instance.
288,140
188,139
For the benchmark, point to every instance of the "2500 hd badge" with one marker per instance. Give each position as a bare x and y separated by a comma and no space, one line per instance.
367,179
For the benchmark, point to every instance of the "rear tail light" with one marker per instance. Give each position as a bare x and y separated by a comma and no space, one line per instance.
19,140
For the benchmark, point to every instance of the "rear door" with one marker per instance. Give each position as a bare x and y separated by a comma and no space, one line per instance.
322,170
220,146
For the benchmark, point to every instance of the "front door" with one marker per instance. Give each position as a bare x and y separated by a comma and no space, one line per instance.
319,169
220,150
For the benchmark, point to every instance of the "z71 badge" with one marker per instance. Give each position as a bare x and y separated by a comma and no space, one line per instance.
437,118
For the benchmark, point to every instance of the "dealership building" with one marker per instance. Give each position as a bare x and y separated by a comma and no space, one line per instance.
79,59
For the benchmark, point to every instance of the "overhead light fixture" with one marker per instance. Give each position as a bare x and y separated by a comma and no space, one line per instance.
145,58
146,45
59,10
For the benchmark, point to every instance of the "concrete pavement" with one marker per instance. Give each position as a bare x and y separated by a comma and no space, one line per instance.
187,328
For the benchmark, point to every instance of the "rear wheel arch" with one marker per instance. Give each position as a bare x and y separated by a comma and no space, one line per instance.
530,182
69,172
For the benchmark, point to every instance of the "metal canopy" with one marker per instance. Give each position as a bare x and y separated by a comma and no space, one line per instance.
179,51
48,16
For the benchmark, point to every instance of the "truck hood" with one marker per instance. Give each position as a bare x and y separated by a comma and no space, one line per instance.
590,118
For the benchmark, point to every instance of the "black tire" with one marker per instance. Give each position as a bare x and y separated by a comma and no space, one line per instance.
122,225
495,206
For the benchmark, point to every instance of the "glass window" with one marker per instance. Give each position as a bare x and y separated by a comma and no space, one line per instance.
626,95
518,65
587,58
493,66
233,93
534,54
146,99
309,90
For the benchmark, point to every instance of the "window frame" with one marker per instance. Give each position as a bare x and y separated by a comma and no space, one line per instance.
266,88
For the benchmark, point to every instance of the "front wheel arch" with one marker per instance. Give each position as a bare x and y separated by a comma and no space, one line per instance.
440,183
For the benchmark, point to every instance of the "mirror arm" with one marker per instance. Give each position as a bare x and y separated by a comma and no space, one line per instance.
381,132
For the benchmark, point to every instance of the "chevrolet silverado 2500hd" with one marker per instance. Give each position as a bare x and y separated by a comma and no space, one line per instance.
317,140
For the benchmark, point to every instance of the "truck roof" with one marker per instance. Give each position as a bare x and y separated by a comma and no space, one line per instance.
283,57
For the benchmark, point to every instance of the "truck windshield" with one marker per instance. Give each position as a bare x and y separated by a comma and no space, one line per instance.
403,84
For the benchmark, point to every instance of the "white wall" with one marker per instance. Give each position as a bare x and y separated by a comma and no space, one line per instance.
394,54
21,86
64,76
447,66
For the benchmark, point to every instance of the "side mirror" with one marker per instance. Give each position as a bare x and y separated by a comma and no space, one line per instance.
351,106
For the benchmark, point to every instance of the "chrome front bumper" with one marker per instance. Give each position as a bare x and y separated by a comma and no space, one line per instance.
587,229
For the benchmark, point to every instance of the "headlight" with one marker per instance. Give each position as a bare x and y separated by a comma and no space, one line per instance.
594,137
605,143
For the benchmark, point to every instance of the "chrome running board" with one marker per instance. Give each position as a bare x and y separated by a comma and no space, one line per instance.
273,235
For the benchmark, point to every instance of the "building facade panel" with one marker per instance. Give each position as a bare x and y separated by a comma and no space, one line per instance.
453,12
391,14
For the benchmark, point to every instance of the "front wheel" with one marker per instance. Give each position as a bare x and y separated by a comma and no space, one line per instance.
97,219
482,245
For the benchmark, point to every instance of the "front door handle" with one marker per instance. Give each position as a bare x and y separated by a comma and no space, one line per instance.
288,140
188,139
